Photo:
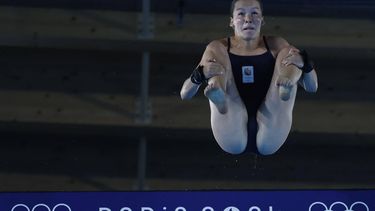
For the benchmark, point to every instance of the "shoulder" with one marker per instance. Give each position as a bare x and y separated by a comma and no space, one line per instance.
276,43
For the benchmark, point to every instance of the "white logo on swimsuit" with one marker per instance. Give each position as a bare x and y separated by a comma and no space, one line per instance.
41,207
337,204
231,209
247,74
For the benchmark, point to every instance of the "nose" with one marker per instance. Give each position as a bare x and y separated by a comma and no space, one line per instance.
248,18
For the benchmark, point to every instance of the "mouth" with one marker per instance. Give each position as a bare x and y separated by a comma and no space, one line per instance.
248,28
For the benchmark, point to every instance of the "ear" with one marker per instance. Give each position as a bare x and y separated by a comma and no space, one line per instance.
231,22
263,21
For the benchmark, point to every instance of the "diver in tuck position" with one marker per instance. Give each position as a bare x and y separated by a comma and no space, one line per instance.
251,83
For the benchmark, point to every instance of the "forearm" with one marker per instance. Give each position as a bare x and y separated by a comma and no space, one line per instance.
188,90
309,79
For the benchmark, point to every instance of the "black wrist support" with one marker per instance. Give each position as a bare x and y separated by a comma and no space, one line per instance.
308,65
197,77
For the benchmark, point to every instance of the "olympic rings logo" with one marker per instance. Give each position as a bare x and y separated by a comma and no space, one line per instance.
339,203
24,207
231,209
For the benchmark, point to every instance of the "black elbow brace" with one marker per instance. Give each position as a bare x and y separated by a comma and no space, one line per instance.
308,65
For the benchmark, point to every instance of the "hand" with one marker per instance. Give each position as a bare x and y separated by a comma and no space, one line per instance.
293,58
212,68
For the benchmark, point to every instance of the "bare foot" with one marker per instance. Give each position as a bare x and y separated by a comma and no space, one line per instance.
216,96
287,79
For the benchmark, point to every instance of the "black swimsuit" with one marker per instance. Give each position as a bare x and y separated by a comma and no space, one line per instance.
252,76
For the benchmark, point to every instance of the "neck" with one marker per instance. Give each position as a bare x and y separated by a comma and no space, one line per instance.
250,45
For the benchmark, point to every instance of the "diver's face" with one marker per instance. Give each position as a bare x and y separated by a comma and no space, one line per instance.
247,19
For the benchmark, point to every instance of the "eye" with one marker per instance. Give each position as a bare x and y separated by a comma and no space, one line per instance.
255,13
241,14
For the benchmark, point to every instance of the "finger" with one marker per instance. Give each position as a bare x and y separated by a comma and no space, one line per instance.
290,51
288,56
215,73
285,62
295,51
216,67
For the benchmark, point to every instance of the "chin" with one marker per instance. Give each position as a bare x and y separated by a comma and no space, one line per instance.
249,38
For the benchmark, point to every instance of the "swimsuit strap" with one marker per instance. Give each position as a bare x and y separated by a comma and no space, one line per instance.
228,49
265,43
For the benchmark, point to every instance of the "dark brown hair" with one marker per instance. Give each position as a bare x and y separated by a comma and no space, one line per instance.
235,1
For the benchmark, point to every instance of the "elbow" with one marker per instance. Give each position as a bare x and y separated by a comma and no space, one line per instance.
184,95
313,88
310,82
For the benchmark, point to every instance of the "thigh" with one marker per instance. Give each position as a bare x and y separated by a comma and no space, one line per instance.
274,118
274,124
230,129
